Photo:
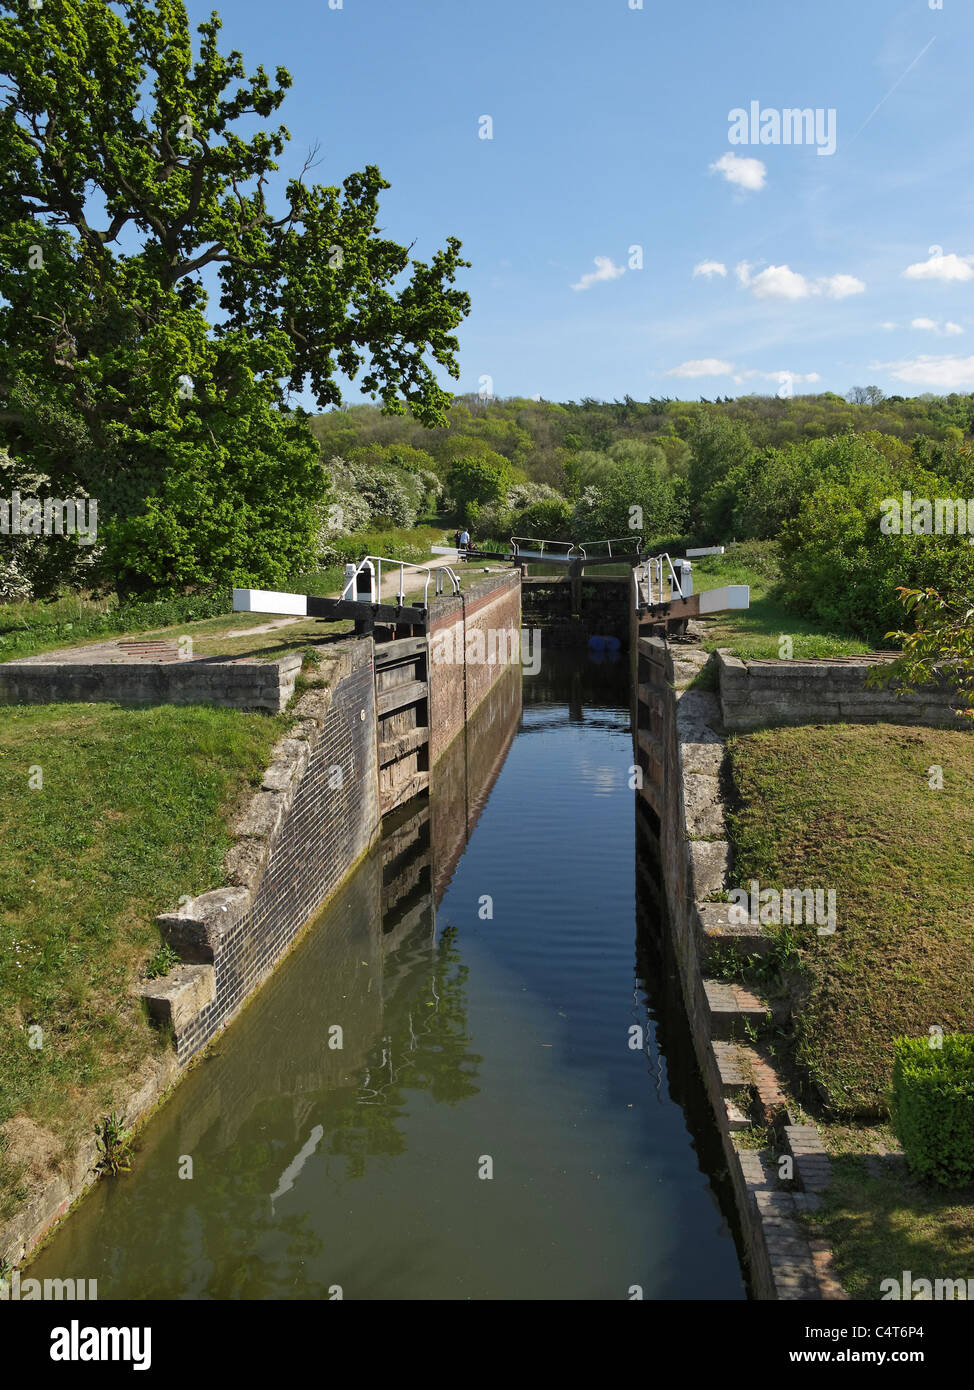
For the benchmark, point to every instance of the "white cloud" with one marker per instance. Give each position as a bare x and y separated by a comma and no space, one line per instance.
703,366
841,286
781,376
777,282
745,173
888,326
781,282
716,366
605,270
710,268
950,267
949,330
944,373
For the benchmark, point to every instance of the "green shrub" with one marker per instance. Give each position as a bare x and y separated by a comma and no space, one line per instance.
932,1106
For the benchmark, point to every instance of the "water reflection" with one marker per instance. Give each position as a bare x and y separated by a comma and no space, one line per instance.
337,1130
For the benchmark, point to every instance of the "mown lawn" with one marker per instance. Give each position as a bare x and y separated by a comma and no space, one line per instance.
852,808
131,814
881,1222
756,632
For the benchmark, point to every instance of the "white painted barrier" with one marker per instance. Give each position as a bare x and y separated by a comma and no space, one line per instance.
268,601
720,600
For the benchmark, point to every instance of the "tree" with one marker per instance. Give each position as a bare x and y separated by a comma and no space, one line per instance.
479,481
941,645
114,380
717,445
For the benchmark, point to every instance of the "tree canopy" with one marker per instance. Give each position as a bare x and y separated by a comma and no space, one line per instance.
131,169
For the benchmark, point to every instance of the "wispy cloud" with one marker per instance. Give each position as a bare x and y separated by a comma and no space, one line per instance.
605,270
942,373
703,366
746,173
716,366
710,268
948,330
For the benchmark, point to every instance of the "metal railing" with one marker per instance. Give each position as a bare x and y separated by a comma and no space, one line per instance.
583,547
655,569
377,561
442,570
518,541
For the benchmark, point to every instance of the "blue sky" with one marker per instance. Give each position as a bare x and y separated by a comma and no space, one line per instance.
611,131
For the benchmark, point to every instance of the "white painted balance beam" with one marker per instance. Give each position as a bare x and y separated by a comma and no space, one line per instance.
728,597
268,601
706,550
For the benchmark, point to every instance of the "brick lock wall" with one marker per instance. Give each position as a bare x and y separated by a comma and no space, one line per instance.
325,832
321,983
463,778
492,605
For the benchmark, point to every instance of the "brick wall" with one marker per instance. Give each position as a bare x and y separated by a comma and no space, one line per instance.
491,605
463,778
326,830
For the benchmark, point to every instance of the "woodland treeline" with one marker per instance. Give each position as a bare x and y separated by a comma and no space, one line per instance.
809,472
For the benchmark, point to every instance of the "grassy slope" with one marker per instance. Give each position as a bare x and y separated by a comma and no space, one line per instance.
131,815
27,629
755,633
850,808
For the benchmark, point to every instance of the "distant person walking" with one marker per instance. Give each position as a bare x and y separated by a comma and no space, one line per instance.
464,540
456,538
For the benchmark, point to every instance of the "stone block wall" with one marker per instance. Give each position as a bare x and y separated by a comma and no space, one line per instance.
247,685
679,744
760,694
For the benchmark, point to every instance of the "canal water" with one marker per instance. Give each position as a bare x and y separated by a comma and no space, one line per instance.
470,1080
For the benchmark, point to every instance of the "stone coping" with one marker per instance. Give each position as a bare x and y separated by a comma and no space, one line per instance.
785,1264
757,694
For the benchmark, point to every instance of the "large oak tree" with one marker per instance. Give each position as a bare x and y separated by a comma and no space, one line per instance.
131,163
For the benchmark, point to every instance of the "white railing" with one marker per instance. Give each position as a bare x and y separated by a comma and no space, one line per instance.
377,561
444,570
656,575
583,547
518,541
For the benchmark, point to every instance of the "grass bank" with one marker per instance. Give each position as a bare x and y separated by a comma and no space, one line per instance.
27,629
881,1222
128,811
852,808
756,632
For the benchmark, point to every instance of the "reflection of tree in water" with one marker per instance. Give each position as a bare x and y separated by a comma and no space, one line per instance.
425,1048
